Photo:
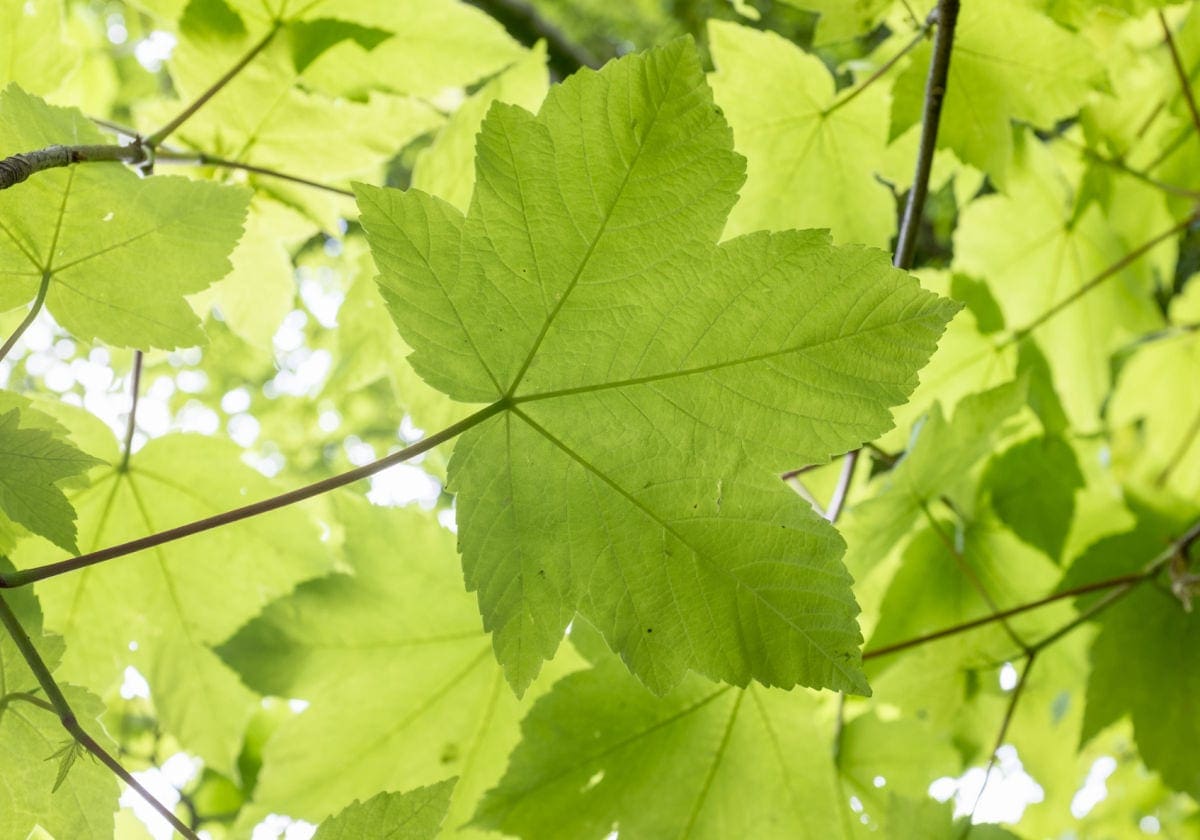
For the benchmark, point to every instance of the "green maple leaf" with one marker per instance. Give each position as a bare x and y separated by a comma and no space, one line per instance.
35,787
175,601
115,253
705,761
809,164
32,463
1010,62
398,672
411,815
647,384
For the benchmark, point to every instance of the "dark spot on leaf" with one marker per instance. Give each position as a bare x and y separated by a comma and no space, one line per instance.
449,753
649,629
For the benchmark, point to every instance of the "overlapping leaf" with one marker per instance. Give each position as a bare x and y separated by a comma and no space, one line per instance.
705,761
115,253
811,162
412,815
646,382
32,463
1035,252
161,610
402,686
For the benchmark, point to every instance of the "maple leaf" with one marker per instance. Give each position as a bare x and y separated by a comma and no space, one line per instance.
646,383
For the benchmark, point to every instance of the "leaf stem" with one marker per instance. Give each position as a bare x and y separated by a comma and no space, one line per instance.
19,167
1126,169
204,159
1178,547
201,100
59,704
1184,83
1120,265
27,697
970,575
29,318
134,387
28,576
1181,449
946,15
921,33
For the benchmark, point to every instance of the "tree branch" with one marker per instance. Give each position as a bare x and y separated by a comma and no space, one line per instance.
19,167
526,25
935,94
23,578
59,704
946,17
1005,722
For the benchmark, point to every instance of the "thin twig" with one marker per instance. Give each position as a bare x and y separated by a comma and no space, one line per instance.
29,318
969,574
935,94
134,387
27,576
200,101
59,703
945,16
1185,84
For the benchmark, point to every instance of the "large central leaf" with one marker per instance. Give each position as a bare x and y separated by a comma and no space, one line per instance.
647,383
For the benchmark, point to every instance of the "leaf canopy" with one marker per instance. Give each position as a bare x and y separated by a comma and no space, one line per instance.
163,610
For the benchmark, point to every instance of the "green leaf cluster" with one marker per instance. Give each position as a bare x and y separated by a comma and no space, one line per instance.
716,523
